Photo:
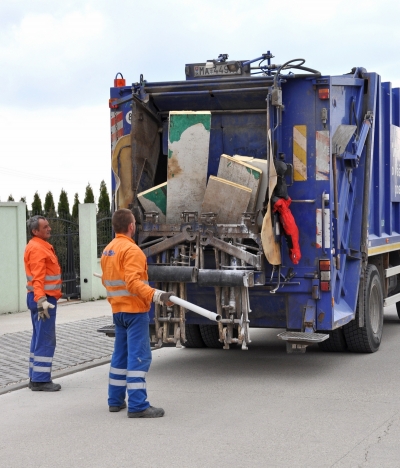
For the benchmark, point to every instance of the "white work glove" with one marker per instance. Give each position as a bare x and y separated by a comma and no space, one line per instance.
161,297
43,305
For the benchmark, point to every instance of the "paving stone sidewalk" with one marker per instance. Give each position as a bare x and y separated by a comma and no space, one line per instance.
77,343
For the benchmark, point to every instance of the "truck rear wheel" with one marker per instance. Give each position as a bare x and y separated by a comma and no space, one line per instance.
336,343
398,309
210,335
367,339
193,336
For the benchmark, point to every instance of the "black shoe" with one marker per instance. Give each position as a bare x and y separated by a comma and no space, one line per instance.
149,412
115,409
45,386
30,383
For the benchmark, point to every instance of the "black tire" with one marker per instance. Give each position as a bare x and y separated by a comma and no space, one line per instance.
398,308
193,336
336,343
367,339
210,335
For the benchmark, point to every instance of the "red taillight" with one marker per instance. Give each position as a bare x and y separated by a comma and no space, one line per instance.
325,286
323,93
324,265
119,82
111,104
325,275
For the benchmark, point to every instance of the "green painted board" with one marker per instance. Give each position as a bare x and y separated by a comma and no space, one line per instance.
155,199
188,148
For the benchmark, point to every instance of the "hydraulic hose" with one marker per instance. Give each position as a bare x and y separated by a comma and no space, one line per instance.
298,66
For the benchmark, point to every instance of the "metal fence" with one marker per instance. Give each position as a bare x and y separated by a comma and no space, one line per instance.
104,232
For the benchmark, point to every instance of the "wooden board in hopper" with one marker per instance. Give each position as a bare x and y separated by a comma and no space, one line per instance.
188,147
241,173
261,164
155,199
227,199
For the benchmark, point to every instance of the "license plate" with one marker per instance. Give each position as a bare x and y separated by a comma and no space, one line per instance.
201,70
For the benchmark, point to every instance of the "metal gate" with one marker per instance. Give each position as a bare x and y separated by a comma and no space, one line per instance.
65,240
104,232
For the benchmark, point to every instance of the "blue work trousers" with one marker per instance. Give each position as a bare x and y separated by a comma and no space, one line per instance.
130,361
43,343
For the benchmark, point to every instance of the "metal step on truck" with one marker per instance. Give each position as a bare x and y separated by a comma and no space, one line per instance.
268,193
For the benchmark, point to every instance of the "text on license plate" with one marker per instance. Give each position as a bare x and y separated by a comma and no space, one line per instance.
201,70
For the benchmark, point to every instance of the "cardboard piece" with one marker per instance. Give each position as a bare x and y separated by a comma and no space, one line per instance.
271,247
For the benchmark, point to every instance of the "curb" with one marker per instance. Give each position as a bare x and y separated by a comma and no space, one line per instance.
60,373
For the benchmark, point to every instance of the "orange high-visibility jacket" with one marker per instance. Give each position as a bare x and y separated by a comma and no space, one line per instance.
125,277
43,272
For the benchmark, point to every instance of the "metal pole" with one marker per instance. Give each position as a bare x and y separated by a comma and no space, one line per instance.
188,305
194,308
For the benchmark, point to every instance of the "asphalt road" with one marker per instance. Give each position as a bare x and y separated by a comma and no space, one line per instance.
255,408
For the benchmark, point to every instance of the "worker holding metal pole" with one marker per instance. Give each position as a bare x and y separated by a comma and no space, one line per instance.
125,277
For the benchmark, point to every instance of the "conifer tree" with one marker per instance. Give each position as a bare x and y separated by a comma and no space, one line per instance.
75,208
63,205
37,205
89,197
49,207
23,200
10,198
104,200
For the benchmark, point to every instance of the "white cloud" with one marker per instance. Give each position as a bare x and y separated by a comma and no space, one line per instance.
50,55
68,53
67,38
49,150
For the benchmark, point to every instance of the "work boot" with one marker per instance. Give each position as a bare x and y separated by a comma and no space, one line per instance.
45,386
149,412
115,409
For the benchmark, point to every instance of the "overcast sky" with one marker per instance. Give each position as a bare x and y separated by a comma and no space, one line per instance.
58,60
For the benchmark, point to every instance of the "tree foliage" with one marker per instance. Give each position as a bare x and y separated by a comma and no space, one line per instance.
75,207
89,197
104,200
23,200
10,198
37,205
49,206
63,205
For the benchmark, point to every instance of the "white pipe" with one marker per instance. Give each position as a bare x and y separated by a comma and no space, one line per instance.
194,308
188,305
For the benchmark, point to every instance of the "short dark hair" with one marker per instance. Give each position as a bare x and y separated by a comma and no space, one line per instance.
33,223
121,219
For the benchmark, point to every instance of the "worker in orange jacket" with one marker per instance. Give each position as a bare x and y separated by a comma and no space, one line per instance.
125,277
43,274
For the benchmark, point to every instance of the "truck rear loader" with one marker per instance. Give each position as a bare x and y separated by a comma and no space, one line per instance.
268,193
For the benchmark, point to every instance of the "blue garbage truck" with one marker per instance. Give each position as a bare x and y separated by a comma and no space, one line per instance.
268,193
